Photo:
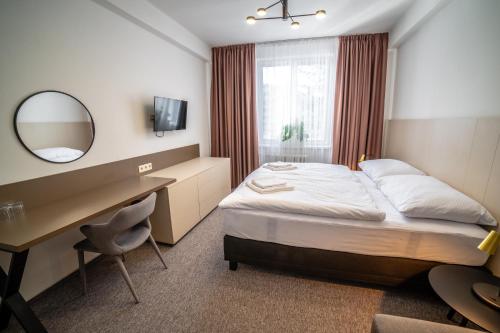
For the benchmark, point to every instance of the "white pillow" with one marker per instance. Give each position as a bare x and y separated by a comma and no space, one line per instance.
427,197
387,167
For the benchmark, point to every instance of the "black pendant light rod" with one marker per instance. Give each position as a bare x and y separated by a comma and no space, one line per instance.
279,17
274,4
302,15
285,14
284,3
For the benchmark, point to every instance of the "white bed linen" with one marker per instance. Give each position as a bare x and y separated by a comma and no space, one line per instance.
428,197
396,236
375,169
59,154
319,189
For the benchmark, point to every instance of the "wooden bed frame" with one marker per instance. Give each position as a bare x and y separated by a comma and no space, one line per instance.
389,271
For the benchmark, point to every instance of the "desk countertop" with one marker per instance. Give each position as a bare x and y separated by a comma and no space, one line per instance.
41,223
189,168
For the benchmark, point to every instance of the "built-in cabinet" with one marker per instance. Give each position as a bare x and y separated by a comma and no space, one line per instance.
201,183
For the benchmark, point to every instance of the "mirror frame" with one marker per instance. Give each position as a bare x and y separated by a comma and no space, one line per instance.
60,92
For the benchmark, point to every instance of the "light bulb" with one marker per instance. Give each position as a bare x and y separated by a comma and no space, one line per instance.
295,25
251,20
320,14
261,11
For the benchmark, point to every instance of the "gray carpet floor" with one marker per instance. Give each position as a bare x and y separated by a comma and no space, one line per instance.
198,293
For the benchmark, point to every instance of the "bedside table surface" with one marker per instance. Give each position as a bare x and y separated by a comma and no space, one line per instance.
453,284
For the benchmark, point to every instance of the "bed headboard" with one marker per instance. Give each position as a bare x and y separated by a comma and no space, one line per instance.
463,152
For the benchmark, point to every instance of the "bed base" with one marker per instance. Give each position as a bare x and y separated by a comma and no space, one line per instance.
388,271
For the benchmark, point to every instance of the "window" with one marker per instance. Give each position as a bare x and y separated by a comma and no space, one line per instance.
295,92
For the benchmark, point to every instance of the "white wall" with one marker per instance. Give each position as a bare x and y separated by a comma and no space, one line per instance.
450,66
413,18
115,67
146,15
52,107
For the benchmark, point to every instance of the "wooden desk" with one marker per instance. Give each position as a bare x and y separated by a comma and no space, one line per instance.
41,223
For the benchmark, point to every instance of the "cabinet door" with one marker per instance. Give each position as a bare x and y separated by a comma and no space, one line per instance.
213,184
160,219
184,206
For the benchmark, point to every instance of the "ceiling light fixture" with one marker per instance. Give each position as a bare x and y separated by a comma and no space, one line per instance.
320,14
285,16
250,20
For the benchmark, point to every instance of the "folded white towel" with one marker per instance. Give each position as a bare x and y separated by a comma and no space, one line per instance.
291,167
268,182
273,189
279,164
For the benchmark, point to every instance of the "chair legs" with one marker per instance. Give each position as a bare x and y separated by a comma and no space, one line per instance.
157,250
124,272
81,267
119,260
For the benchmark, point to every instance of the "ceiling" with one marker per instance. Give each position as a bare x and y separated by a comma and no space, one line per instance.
222,22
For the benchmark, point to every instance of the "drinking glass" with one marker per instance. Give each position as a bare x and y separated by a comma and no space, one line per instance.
10,210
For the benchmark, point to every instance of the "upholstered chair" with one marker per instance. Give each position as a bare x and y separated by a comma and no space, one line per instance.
383,323
125,231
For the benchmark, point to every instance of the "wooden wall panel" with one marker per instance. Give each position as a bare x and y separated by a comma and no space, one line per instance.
492,202
409,141
457,151
55,187
485,146
75,135
449,149
464,152
492,195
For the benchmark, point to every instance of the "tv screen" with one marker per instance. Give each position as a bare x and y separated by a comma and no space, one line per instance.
170,114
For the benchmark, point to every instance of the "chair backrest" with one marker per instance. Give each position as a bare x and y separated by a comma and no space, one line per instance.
103,235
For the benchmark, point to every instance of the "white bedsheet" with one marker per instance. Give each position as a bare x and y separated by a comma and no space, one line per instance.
59,154
319,189
396,236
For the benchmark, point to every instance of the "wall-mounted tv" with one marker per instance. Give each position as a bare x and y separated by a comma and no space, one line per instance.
170,114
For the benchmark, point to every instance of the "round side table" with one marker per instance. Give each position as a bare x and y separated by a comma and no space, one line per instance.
453,284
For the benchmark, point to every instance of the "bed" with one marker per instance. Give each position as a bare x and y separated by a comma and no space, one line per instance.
388,251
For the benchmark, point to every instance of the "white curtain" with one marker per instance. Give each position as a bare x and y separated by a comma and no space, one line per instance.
295,93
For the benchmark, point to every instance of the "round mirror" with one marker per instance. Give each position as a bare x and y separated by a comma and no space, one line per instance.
54,126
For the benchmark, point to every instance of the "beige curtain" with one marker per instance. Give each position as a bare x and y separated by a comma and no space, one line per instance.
233,114
359,98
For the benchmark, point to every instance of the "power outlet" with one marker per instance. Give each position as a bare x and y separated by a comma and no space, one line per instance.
145,167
